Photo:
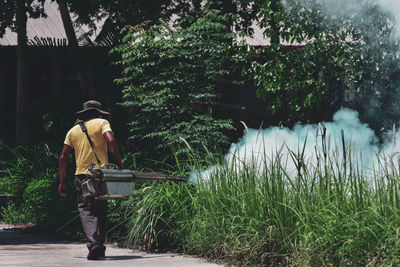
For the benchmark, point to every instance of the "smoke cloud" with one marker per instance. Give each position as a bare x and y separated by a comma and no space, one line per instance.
257,148
392,7
358,12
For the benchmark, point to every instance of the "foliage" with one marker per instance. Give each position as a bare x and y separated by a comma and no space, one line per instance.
245,10
376,88
157,221
4,187
36,204
14,214
323,216
32,177
171,80
8,10
179,13
118,215
305,82
24,164
37,195
346,56
116,16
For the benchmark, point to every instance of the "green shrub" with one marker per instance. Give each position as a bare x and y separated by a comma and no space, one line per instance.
38,204
26,163
4,187
159,215
171,82
118,215
32,177
15,214
38,197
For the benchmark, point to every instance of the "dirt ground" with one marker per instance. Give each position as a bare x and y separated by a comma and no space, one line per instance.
19,247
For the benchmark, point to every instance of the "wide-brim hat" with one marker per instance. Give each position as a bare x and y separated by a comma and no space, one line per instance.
92,105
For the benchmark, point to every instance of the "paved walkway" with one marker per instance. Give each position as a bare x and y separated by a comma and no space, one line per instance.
19,248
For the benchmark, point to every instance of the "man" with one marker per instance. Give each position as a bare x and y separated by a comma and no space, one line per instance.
92,211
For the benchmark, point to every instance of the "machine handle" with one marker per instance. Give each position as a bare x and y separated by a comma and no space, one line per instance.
109,166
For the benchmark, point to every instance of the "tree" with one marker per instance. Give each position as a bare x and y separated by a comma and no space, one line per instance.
118,14
22,98
179,13
347,57
87,89
305,83
8,10
170,80
13,14
375,91
244,10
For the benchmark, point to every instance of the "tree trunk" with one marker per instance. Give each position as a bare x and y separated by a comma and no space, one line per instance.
56,75
67,22
275,37
87,89
2,99
21,128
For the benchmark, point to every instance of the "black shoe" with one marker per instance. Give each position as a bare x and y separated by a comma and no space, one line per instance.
103,252
95,253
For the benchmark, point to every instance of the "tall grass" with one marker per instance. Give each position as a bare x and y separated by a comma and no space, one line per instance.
327,214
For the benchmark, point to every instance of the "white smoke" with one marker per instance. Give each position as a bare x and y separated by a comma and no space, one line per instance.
392,7
358,11
258,147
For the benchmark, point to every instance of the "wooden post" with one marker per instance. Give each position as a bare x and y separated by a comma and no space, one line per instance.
87,89
21,129
275,37
2,98
56,76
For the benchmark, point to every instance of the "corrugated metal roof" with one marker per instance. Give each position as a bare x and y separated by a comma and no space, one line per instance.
52,27
9,38
258,38
49,27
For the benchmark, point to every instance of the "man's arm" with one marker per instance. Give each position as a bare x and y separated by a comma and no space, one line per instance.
112,146
62,167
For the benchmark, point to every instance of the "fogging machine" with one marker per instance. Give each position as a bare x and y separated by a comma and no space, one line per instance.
110,182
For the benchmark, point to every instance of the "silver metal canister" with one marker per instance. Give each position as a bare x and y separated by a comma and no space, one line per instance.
109,182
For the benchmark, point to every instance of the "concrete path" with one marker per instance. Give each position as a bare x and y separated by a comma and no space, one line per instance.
19,248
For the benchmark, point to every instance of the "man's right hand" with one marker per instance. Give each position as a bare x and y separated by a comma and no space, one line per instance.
61,190
62,166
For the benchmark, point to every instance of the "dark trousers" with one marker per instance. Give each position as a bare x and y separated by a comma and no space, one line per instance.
93,213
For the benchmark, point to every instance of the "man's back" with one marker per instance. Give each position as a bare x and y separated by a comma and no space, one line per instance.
84,154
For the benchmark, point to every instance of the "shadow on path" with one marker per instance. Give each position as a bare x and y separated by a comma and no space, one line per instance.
116,258
119,258
20,235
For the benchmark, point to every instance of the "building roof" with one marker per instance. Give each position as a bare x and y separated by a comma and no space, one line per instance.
43,29
50,30
258,38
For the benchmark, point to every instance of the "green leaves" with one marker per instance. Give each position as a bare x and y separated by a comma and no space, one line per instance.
170,83
297,81
347,56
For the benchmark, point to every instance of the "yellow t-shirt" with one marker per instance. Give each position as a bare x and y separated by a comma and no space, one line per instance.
84,155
